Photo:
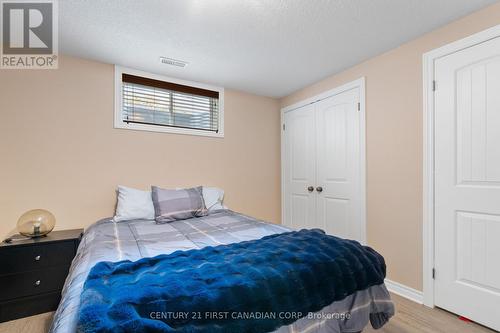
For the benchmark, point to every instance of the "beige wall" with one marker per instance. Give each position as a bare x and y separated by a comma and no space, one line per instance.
59,150
394,142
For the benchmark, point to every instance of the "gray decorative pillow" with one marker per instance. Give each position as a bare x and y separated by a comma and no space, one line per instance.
172,205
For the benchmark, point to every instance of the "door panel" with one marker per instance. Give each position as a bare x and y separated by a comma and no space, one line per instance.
467,183
477,264
336,216
299,168
338,165
332,135
478,123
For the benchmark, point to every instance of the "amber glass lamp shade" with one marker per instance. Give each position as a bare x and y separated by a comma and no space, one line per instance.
36,223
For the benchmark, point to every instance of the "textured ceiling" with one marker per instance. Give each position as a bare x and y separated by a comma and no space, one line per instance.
266,47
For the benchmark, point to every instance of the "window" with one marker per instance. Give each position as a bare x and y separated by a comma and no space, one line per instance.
154,103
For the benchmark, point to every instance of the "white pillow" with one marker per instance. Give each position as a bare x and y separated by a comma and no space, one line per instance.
213,197
134,205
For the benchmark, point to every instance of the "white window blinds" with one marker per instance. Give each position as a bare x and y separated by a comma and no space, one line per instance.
154,102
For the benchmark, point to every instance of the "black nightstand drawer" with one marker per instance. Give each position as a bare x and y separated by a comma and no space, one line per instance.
33,271
33,282
27,258
29,306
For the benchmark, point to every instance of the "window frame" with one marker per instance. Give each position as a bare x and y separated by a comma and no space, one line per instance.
118,113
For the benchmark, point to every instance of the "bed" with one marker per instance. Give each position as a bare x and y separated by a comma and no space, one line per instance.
132,240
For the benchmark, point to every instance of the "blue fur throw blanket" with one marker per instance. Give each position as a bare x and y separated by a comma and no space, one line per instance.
217,289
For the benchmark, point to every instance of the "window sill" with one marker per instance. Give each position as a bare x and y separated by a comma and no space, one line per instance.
165,129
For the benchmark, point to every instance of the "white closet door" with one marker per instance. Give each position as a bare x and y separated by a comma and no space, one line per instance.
467,183
299,168
338,165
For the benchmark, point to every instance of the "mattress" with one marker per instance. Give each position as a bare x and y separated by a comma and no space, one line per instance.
133,240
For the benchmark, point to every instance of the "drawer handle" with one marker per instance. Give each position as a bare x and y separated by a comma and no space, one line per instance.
37,283
37,258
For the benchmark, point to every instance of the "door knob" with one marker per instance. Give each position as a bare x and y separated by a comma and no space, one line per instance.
319,189
310,188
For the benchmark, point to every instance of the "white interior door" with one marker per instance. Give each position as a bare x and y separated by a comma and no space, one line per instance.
322,165
467,183
338,165
299,168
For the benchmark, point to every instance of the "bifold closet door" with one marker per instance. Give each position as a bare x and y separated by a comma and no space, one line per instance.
299,168
321,166
338,206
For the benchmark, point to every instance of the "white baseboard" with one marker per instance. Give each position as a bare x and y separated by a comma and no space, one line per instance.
405,291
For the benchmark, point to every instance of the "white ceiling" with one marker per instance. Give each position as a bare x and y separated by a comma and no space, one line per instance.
266,47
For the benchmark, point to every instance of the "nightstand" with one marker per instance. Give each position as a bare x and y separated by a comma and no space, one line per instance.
33,271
